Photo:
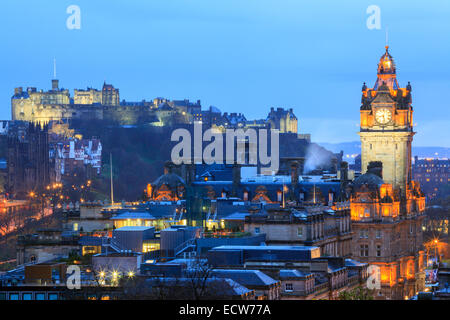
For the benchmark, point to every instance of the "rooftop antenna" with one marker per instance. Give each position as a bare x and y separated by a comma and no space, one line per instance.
54,68
387,37
112,185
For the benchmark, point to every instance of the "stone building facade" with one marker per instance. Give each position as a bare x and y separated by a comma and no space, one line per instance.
387,206
432,174
283,120
387,125
27,158
314,225
91,104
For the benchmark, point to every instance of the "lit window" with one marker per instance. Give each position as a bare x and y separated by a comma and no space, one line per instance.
27,296
300,231
13,296
52,296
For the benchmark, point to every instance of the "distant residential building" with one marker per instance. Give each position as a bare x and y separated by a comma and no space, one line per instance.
74,153
432,174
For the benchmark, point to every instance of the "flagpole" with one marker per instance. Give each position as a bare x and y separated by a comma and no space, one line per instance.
111,173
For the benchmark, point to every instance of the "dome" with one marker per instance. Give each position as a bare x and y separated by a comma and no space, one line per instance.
387,64
372,180
386,72
170,179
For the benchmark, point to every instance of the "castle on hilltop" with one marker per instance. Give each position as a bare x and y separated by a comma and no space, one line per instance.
92,104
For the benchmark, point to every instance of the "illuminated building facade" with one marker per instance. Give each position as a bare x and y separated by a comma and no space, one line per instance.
283,120
432,174
387,205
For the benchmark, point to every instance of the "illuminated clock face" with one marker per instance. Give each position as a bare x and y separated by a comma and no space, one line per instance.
383,116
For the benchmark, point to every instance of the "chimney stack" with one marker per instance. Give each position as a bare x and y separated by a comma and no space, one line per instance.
236,178
55,85
344,171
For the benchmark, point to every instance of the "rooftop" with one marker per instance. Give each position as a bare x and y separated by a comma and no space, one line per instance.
134,215
245,277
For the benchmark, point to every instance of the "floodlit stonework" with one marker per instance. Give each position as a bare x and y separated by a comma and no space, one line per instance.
387,206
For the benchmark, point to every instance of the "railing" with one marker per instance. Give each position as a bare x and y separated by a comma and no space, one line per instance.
321,288
353,280
219,234
180,248
112,244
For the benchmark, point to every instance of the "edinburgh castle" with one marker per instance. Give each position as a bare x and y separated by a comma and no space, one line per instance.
91,104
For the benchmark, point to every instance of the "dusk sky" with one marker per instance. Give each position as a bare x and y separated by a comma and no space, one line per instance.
238,55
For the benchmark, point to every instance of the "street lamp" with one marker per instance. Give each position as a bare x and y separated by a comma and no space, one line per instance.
436,242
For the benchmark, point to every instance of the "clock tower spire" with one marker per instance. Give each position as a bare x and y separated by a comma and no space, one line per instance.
386,128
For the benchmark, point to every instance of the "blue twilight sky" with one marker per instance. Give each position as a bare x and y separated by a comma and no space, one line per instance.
238,55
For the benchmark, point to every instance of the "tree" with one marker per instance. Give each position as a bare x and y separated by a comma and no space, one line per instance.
196,283
358,293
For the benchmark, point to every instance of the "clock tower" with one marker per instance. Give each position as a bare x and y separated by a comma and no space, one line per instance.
387,125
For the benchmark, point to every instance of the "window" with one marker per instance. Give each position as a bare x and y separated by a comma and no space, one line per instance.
300,231
289,287
364,234
27,296
149,247
378,250
13,296
364,250
378,234
257,230
75,226
52,296
279,196
40,296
